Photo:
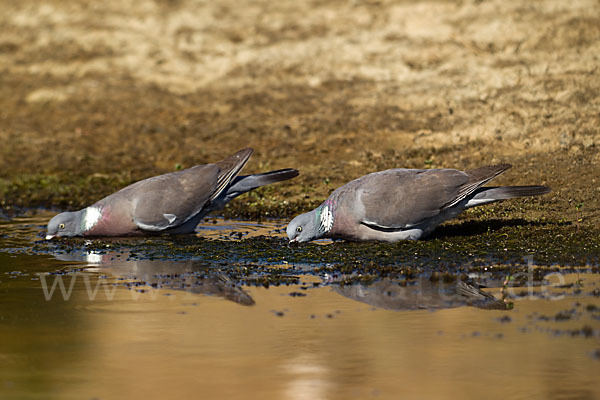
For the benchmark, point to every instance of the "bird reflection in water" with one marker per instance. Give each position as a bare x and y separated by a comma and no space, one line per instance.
193,277
422,293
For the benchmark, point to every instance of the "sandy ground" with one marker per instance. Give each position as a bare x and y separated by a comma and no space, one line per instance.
97,94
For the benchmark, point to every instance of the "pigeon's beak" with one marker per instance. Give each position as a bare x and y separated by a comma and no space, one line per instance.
294,240
48,237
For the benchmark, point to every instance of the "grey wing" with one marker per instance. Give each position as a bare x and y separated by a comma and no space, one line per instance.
403,198
169,200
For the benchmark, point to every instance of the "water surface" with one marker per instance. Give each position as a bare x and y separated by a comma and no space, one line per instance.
130,323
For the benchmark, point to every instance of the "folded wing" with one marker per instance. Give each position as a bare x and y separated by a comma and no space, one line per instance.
401,198
167,201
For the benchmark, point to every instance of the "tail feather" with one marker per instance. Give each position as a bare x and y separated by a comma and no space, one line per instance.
485,195
243,184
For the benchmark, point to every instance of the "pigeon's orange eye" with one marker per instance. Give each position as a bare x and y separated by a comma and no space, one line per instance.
62,226
299,229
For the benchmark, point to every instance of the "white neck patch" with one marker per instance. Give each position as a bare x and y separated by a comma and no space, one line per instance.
91,217
326,219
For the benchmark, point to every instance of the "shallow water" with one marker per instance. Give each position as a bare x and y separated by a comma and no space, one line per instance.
130,323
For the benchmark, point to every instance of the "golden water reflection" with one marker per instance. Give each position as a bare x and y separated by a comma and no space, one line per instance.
183,344
218,340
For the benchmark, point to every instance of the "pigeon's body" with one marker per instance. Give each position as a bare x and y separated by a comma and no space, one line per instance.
172,203
400,204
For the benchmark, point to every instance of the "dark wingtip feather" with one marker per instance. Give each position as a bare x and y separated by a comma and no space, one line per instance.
247,152
229,168
478,298
245,149
477,177
487,172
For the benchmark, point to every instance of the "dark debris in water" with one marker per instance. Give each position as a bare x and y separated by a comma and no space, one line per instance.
565,315
505,319
585,331
592,308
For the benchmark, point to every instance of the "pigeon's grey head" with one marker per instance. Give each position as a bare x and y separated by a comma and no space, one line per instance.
304,228
64,224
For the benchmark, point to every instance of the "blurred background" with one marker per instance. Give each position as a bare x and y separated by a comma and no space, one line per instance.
95,95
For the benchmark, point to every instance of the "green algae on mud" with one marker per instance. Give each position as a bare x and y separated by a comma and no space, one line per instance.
70,190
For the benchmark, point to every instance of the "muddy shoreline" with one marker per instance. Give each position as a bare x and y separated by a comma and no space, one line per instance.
336,90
